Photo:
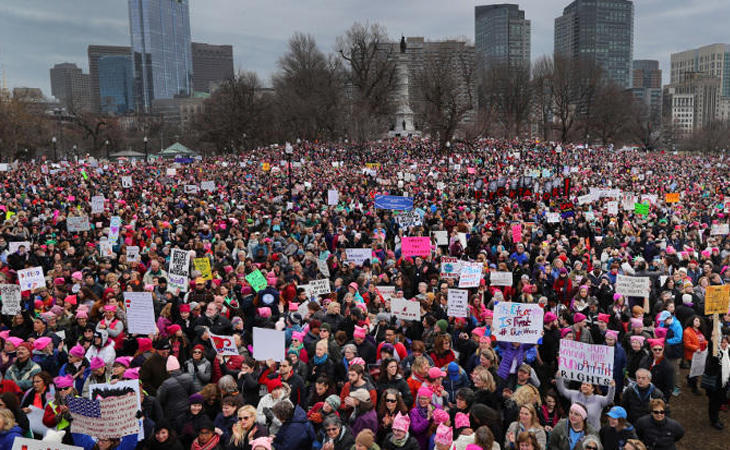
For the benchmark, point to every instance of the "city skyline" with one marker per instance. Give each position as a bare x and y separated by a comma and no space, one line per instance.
259,32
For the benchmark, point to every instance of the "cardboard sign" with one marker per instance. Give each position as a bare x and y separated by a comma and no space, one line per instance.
320,287
21,443
500,278
14,245
225,345
257,280
133,253
97,204
140,313
585,363
115,223
405,309
10,295
641,209
207,186
127,182
517,322
32,278
450,268
358,255
333,197
720,229
458,303
268,344
415,246
672,197
75,224
408,219
717,299
202,265
516,232
179,262
632,286
470,274
441,237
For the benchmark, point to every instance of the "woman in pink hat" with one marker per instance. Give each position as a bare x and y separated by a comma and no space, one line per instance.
400,438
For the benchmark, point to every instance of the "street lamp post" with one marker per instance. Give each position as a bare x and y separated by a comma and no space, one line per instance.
289,150
145,149
53,141
106,144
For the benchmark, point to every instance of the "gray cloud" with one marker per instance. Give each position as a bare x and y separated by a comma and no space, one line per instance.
35,34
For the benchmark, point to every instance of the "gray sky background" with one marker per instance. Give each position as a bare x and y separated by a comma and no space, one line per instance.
35,34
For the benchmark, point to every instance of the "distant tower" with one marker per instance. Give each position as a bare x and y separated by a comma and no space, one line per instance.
403,123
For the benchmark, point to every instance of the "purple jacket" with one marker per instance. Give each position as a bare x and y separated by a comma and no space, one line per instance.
510,353
369,421
419,427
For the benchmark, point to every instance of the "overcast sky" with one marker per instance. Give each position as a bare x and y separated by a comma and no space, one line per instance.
36,34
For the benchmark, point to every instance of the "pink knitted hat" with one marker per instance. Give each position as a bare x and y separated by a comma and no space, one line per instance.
401,422
461,420
444,434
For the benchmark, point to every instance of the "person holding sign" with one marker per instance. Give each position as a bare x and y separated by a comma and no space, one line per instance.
716,379
586,395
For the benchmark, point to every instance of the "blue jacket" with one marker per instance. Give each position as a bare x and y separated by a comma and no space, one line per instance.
675,347
79,383
296,433
8,437
453,386
619,364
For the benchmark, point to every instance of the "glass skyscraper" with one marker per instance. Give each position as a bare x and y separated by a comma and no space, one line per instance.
502,35
161,53
116,84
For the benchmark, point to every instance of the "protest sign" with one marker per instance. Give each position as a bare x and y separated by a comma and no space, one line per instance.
133,253
224,345
612,208
323,267
74,224
517,322
171,172
583,199
202,265
4,167
32,278
470,274
458,303
358,255
585,363
207,186
671,197
115,224
179,262
140,313
387,292
110,417
320,287
333,197
450,267
717,299
462,239
97,204
553,217
14,245
393,202
106,249
500,278
191,189
516,232
405,309
415,246
257,280
719,229
699,359
641,208
268,344
632,286
10,295
441,237
127,182
175,281
21,443
408,219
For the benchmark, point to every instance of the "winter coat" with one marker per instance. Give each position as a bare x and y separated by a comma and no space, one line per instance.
662,375
400,385
22,374
70,369
226,425
515,428
367,420
419,426
296,433
8,437
200,370
615,440
345,440
173,396
452,386
560,436
510,353
410,444
105,351
636,401
659,435
619,364
153,373
673,348
693,341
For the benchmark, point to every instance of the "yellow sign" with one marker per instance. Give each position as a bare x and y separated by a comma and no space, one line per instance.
202,265
672,197
717,299
372,165
265,167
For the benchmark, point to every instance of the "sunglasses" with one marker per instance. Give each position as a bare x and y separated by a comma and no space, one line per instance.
659,412
244,418
197,351
590,447
330,429
658,349
390,400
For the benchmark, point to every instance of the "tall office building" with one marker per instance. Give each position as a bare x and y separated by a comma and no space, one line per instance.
601,30
161,53
71,87
647,88
211,65
711,60
115,56
502,34
692,103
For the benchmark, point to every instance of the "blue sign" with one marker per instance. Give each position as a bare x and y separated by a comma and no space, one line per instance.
393,202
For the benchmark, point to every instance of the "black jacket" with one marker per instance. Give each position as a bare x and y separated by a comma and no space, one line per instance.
662,375
636,401
659,435
615,440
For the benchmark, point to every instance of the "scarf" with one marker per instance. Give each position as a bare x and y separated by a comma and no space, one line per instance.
319,361
400,442
724,366
211,443
296,348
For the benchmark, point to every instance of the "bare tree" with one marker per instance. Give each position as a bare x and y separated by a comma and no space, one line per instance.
574,85
507,90
542,95
446,86
712,138
309,90
371,75
644,127
612,112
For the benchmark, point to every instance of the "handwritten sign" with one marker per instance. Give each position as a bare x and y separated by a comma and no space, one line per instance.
470,275
585,363
202,265
175,281
333,197
516,232
517,322
110,417
179,262
641,209
450,268
553,217
358,255
500,278
268,344
612,208
720,229
140,313
127,182
632,286
10,295
191,189
75,224
115,224
32,278
408,219
405,309
225,345
441,237
458,303
416,246
207,186
133,253
323,267
21,443
257,280
671,197
319,287
14,245
717,299
97,204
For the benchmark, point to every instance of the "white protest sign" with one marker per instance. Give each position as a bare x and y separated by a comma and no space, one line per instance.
171,172
500,278
441,237
720,228
31,278
462,239
333,197
14,245
699,359
450,267
612,208
117,416
585,363
140,313
126,182
175,281
408,219
405,309
323,267
97,204
133,253
517,322
583,199
387,292
75,224
4,167
553,217
207,186
21,443
191,189
632,286
115,224
358,255
10,294
320,287
470,274
458,303
179,262
268,344
106,249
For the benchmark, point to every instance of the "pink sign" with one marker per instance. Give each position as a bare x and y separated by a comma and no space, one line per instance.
471,170
416,246
516,233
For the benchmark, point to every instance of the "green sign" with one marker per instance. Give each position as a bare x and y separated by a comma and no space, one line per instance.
641,208
257,280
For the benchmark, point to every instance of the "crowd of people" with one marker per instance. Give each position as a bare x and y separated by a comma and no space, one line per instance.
356,374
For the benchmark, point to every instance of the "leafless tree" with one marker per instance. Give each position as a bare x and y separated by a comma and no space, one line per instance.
507,91
644,127
612,112
542,95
